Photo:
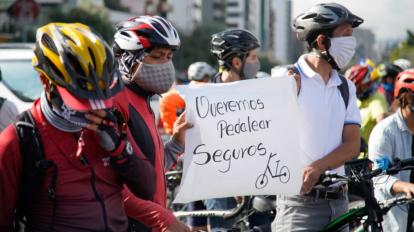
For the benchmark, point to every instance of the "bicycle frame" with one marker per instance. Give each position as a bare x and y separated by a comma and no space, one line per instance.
345,219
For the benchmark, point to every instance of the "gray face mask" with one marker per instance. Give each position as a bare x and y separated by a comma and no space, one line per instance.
155,78
250,70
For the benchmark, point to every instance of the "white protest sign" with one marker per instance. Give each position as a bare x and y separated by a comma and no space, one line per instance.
244,140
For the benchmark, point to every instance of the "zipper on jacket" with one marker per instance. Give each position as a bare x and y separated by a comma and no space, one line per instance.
99,198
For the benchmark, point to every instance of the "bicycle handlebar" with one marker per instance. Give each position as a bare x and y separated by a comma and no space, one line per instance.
397,166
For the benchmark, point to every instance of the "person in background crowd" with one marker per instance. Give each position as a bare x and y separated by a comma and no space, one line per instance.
373,106
387,73
393,138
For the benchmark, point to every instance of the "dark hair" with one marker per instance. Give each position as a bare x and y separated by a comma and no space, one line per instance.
402,99
312,38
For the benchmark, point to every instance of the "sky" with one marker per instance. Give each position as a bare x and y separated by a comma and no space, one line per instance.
388,19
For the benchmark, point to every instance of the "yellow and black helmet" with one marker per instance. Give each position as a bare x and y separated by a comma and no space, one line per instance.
73,57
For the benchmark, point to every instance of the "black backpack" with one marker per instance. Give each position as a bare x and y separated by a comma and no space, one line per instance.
343,87
34,167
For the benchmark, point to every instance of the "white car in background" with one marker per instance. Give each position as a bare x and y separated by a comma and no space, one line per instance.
19,82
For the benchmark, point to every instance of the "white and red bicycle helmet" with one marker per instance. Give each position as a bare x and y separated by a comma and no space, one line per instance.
139,35
145,32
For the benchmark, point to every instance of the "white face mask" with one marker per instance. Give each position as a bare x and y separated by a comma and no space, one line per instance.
342,50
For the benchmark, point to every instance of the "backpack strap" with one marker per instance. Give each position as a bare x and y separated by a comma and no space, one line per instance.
344,90
34,166
2,100
343,87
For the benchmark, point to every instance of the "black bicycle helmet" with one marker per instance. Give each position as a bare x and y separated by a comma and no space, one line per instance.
233,42
322,17
388,70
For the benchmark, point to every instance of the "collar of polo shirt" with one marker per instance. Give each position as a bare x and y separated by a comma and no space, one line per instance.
308,72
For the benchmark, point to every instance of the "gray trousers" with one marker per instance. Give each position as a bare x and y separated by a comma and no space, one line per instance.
303,213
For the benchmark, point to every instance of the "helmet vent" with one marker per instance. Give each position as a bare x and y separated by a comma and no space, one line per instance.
74,63
93,58
68,38
125,34
159,28
309,16
48,42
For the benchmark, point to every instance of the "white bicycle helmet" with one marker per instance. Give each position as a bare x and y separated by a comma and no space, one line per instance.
198,70
404,64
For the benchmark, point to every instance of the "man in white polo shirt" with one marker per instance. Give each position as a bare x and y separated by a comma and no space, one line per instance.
330,118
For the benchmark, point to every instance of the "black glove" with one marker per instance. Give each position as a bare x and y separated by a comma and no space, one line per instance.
112,131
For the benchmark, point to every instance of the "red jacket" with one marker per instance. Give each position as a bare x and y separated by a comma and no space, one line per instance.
134,103
88,196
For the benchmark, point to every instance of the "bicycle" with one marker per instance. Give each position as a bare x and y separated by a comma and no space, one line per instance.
283,174
371,215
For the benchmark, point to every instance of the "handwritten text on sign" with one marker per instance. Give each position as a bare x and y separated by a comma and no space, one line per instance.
244,140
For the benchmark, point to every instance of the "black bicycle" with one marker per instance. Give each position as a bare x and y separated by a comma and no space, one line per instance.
370,216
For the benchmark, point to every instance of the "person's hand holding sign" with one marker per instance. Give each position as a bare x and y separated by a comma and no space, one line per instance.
180,126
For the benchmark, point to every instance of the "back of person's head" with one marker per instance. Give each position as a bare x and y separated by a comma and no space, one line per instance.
76,65
200,71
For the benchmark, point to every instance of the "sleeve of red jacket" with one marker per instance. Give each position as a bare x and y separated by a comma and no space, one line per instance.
10,165
149,213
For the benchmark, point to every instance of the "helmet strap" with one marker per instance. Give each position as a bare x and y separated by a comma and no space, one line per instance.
325,54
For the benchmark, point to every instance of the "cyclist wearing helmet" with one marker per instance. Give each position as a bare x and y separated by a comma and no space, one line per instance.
393,138
387,73
329,128
372,105
83,140
235,50
171,103
144,47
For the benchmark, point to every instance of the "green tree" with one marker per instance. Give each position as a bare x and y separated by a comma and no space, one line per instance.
404,49
115,5
196,47
96,19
